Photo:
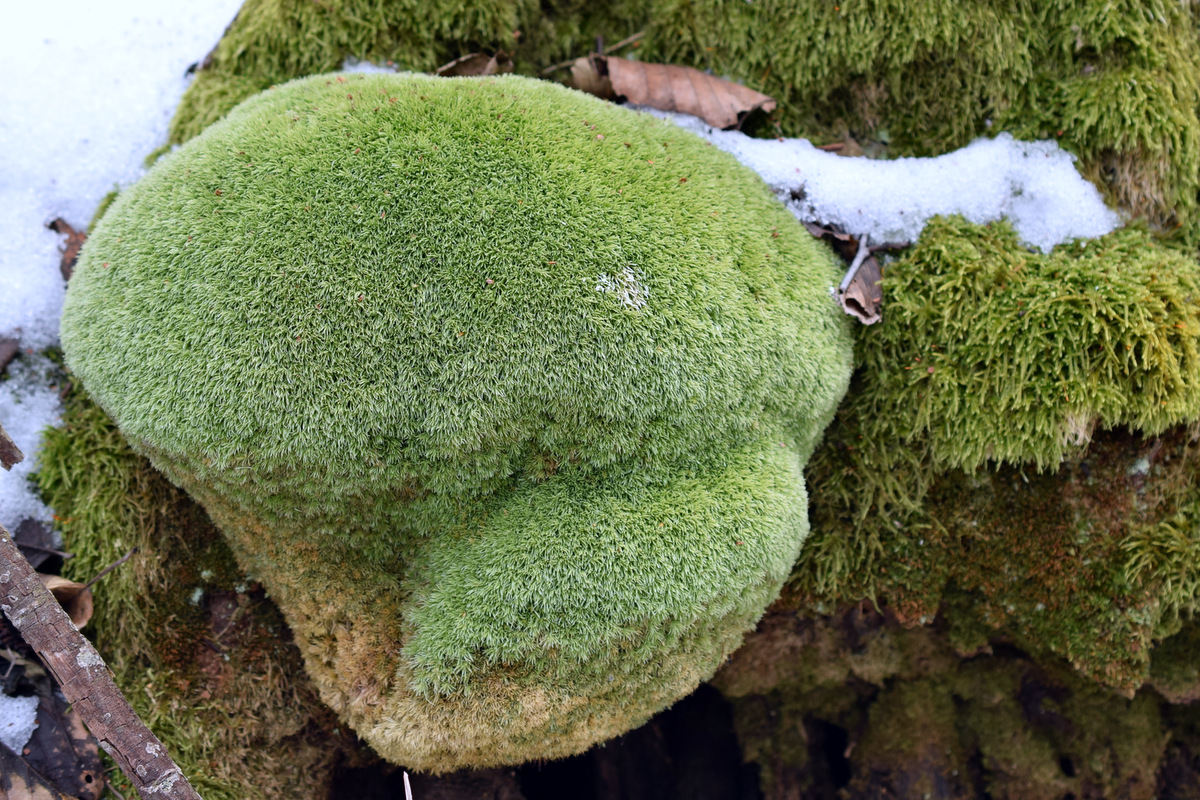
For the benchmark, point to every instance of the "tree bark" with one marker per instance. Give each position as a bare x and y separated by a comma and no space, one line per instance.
85,680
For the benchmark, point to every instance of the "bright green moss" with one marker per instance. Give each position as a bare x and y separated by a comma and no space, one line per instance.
504,393
1114,82
991,361
990,352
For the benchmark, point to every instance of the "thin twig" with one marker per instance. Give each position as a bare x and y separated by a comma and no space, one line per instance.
85,680
612,48
864,250
41,549
113,789
110,568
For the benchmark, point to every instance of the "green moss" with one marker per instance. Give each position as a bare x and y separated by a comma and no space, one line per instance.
533,374
929,722
1114,83
991,361
217,680
273,41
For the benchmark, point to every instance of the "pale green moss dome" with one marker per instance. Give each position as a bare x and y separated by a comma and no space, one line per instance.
504,393
443,279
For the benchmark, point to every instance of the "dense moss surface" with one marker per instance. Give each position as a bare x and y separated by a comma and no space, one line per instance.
1114,82
503,393
203,656
1016,450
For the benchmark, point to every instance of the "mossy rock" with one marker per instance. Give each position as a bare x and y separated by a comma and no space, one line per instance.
503,393
858,705
1114,83
1020,414
197,648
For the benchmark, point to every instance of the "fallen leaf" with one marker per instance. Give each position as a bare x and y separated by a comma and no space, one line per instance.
75,598
8,351
36,542
476,64
63,752
864,296
70,248
667,87
844,244
18,781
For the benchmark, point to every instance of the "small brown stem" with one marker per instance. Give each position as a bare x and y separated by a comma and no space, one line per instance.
41,549
612,48
110,568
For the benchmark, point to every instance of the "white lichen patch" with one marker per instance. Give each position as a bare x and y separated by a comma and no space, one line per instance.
88,657
628,286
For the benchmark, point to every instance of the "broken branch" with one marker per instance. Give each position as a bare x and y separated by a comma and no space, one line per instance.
85,680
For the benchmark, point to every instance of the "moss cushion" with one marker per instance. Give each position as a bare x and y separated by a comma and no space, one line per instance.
504,394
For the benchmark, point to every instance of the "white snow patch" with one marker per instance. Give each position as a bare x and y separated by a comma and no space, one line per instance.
354,65
27,406
1034,185
627,286
88,91
18,718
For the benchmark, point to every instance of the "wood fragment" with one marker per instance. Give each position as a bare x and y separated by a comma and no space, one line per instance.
85,680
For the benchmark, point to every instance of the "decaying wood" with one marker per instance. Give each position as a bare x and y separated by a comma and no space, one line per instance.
85,680
720,103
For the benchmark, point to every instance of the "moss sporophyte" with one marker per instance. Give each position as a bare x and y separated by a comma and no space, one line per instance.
509,420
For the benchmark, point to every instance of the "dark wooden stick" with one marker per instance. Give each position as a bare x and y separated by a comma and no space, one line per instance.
85,680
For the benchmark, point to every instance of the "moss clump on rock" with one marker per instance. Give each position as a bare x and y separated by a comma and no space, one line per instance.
504,394
198,650
958,477
1114,83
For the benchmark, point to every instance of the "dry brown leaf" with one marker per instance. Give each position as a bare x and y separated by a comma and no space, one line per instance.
474,64
667,87
18,781
70,248
63,752
864,296
9,452
75,598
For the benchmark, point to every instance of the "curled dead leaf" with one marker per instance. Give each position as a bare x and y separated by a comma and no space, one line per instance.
75,598
19,781
863,296
63,752
70,247
667,87
474,64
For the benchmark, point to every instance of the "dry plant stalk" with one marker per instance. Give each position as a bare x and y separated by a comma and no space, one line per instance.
84,677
